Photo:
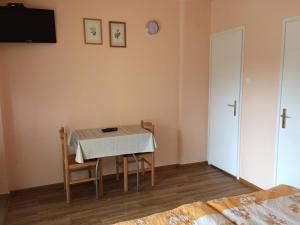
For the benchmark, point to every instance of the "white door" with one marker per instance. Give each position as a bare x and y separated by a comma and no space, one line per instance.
226,62
288,157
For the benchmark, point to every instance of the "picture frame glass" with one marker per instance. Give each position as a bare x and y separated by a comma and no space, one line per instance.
117,34
93,31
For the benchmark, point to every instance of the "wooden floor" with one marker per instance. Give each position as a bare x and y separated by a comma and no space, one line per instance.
174,186
3,208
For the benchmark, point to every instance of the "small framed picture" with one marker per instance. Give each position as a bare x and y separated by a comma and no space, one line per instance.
117,34
92,31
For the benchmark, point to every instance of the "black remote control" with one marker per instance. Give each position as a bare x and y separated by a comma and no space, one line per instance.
110,129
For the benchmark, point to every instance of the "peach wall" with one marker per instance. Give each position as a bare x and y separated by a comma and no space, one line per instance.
263,23
163,78
193,86
4,186
49,85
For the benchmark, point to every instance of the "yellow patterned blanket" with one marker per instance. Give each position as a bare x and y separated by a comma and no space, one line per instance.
196,213
276,206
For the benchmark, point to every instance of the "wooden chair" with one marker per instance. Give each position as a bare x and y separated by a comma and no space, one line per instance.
142,158
70,166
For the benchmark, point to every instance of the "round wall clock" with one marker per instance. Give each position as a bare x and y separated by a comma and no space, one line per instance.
152,27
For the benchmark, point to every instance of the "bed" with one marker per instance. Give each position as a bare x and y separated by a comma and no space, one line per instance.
276,206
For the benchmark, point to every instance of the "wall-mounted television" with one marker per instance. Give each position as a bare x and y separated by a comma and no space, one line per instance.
21,24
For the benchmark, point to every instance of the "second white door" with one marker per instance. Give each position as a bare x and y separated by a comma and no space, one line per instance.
224,100
288,165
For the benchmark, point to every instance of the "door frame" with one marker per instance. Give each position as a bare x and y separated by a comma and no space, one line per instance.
282,62
241,28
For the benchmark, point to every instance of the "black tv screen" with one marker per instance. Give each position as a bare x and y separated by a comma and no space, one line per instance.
20,24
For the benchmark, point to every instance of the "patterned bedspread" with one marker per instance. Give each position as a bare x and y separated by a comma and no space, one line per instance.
277,206
197,213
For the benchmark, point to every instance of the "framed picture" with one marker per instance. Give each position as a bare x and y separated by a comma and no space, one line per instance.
117,34
92,31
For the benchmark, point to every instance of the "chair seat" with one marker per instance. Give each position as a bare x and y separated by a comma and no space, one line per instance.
71,159
73,165
138,154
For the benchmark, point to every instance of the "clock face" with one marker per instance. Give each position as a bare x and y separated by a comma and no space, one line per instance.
152,27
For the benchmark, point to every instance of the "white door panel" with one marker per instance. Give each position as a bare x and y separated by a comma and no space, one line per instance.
225,81
288,165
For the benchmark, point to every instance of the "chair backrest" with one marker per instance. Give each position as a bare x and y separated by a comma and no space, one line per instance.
148,126
64,144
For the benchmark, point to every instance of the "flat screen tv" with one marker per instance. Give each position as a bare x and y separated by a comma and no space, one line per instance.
20,24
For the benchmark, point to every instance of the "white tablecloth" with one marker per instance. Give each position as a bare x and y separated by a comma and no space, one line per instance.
93,143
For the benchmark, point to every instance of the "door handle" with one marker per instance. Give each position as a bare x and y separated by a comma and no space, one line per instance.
284,117
234,107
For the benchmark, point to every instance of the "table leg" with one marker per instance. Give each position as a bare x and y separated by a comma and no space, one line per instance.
137,172
152,169
97,178
125,172
100,170
117,168
143,167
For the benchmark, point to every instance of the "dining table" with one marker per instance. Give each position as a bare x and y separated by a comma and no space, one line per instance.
95,143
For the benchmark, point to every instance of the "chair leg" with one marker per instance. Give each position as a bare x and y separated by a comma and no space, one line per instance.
90,173
125,169
143,167
117,168
137,171
101,178
152,169
64,176
67,186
